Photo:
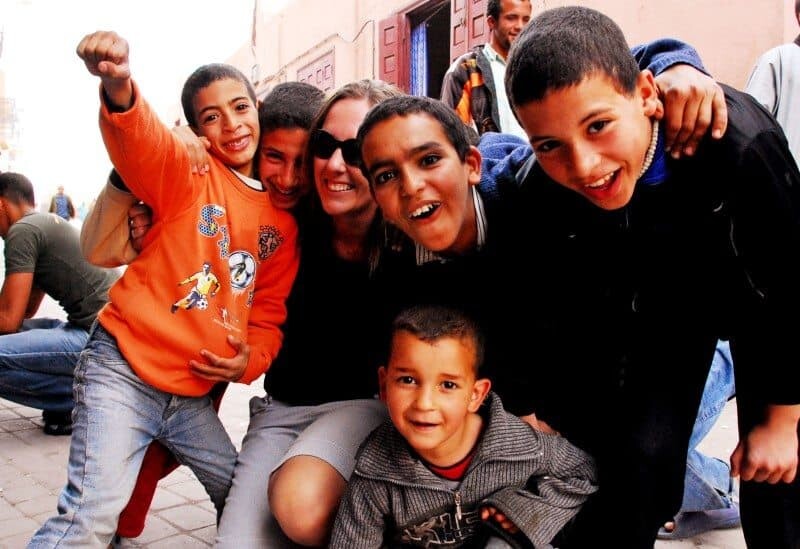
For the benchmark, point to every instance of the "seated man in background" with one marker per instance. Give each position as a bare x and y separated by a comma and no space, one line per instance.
42,256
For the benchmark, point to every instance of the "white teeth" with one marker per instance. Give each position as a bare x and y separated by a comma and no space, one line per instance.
422,210
339,187
602,181
237,144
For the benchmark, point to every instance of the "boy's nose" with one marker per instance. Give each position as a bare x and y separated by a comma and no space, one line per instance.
289,173
412,184
231,122
584,160
425,399
288,177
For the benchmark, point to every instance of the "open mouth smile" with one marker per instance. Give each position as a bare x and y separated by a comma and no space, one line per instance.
425,211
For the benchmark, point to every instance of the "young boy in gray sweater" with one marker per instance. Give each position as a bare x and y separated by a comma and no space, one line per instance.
452,467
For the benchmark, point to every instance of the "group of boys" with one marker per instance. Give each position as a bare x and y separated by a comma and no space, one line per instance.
708,240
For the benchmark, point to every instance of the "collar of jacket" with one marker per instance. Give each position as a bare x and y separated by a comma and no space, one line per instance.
505,437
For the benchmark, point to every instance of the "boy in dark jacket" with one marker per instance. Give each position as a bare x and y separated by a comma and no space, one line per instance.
643,263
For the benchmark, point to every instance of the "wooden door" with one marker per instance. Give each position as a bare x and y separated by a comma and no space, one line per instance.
467,25
393,51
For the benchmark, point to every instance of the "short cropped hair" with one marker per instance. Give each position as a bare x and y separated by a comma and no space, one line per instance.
562,46
17,188
431,323
290,105
203,77
454,128
493,8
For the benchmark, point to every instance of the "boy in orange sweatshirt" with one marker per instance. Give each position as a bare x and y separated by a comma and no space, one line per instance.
146,371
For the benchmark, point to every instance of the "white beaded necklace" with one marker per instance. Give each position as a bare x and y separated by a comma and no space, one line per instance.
651,150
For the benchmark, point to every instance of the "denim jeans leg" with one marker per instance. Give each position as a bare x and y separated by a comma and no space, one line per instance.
36,363
116,416
195,435
708,481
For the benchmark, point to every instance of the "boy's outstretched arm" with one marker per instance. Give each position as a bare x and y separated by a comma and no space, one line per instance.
693,101
105,231
105,54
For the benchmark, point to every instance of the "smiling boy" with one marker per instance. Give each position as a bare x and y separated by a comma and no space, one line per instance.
284,116
647,261
424,186
146,372
451,466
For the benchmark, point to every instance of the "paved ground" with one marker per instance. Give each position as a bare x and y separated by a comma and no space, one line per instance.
33,471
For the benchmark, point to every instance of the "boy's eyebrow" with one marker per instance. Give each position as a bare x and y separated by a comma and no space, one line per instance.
583,120
272,150
594,113
452,376
212,107
380,163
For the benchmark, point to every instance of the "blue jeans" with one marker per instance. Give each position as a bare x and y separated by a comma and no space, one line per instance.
116,416
36,363
708,479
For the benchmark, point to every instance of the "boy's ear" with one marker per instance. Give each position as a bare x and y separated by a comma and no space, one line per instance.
480,389
382,382
648,93
473,164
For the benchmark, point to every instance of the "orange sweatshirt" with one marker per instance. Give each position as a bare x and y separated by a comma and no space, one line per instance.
219,260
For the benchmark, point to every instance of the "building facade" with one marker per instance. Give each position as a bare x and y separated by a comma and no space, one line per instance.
411,42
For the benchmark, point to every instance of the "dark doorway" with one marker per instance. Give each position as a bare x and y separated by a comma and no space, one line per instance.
429,47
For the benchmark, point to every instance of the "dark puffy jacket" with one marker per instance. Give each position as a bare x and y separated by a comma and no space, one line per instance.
469,88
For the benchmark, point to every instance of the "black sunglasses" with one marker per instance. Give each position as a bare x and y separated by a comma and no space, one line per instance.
323,145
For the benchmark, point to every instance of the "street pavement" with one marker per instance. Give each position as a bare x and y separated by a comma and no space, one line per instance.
33,472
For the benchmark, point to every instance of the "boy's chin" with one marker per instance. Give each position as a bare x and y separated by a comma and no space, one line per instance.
439,245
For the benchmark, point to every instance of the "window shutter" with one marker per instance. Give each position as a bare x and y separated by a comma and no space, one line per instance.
458,28
393,51
478,32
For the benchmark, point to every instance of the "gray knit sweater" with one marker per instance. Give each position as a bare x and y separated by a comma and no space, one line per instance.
538,480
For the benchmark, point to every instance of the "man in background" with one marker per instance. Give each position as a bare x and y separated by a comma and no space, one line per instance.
775,83
474,83
42,255
61,204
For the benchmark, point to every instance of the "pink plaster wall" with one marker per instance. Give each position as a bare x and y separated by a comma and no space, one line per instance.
729,34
